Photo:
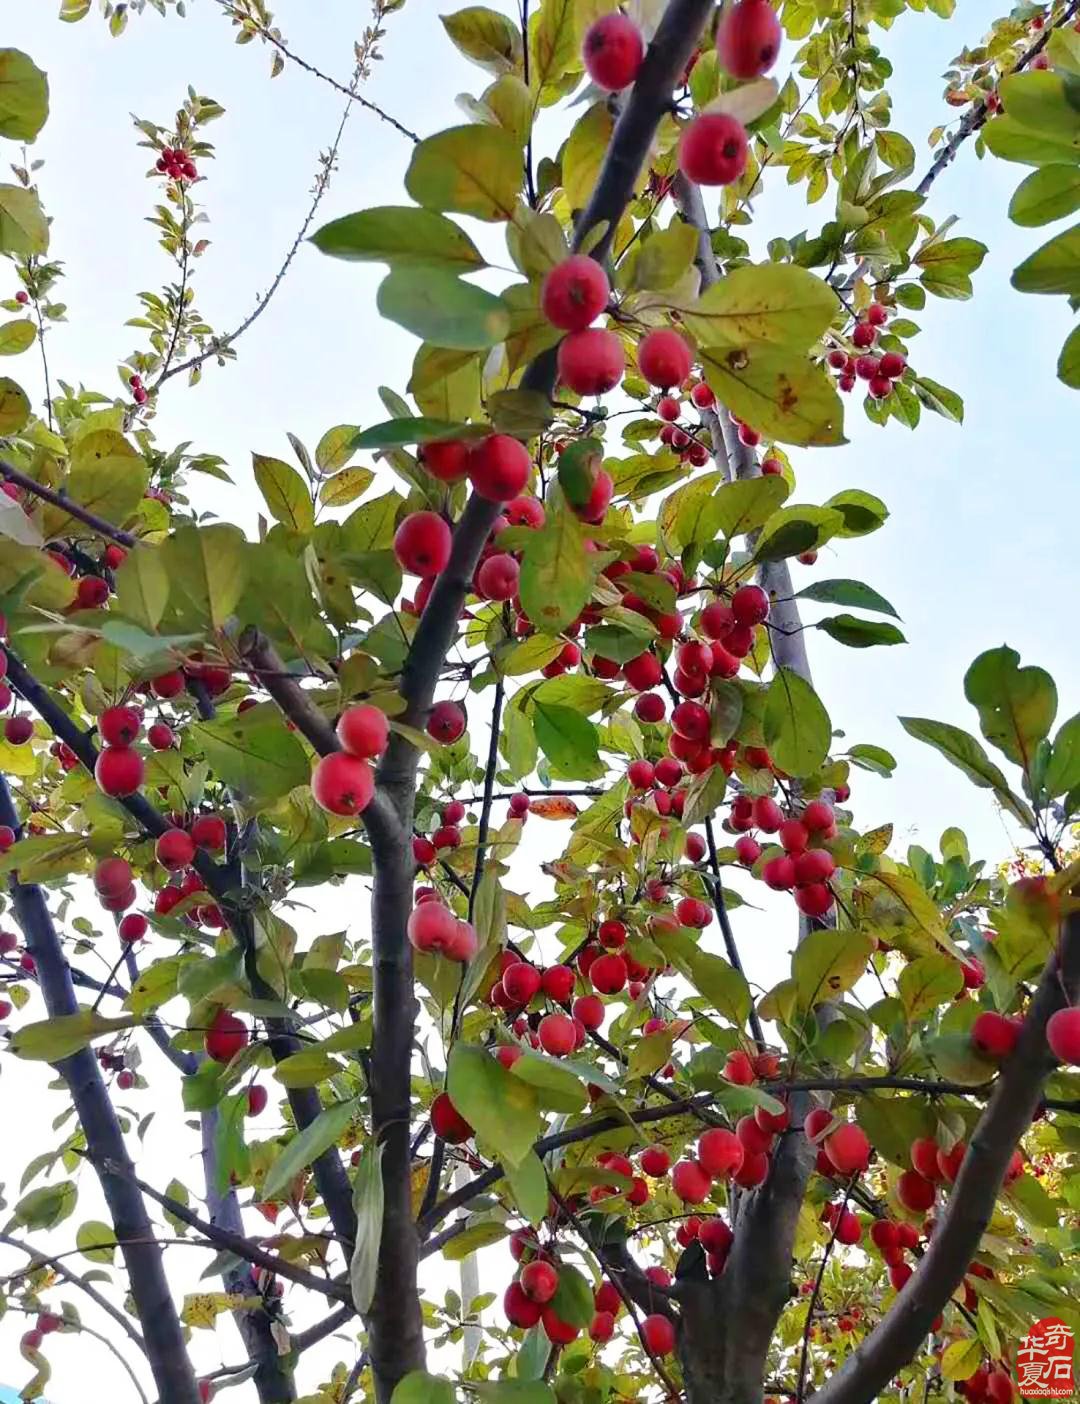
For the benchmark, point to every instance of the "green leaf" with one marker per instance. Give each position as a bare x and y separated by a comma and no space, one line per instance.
311,1065
418,1387
744,505
335,448
441,309
503,1109
1012,141
554,44
24,230
777,303
873,758
488,38
476,1236
285,493
207,568
96,1241
967,755
14,407
24,96
529,1186
584,152
860,633
1041,101
862,511
516,1391
792,530
522,413
892,1123
557,573
1045,195
827,962
397,433
940,399
1063,771
846,592
1055,268
1016,705
722,985
471,170
346,486
260,758
927,982
796,725
48,1206
107,476
1068,366
961,1359
49,1040
16,337
368,1203
318,1136
780,393
558,1087
650,1053
947,263
1035,1206
573,1299
402,236
570,742
665,257
142,587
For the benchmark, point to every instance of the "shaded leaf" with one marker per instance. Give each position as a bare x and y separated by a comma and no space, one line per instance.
400,235
440,308
796,725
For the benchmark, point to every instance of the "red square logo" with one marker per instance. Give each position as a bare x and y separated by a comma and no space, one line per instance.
1044,1362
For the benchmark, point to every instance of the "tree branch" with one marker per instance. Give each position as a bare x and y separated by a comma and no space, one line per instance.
59,499
273,1378
242,1246
164,1341
955,1241
978,114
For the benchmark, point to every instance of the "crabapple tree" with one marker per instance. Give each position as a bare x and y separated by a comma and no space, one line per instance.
556,594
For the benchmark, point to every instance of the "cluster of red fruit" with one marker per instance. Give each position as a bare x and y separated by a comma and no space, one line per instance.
995,1035
434,929
713,148
879,372
528,1300
138,389
798,867
342,782
175,163
47,1322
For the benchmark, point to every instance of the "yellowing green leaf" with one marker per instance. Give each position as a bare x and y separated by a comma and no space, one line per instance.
14,406
778,392
488,38
503,1109
961,1359
470,170
24,96
24,230
827,962
15,337
769,302
49,1040
285,493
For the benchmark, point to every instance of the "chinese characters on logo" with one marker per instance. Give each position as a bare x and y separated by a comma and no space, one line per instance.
1044,1362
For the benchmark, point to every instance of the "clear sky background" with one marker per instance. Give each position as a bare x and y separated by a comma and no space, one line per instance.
979,550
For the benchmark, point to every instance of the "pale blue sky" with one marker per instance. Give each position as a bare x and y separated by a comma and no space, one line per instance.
980,546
